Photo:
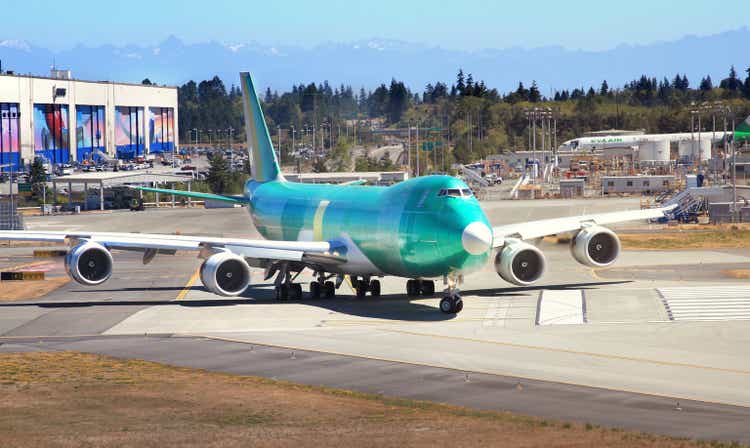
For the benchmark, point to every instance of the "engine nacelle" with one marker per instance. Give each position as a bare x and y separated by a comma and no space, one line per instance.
520,263
595,246
225,274
89,263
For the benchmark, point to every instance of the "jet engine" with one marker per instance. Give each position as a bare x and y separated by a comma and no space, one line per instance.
520,263
225,274
89,263
595,246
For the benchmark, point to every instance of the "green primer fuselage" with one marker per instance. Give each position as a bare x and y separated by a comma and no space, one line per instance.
405,230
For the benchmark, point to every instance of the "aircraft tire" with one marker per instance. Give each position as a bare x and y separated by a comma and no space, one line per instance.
315,290
427,287
361,289
295,291
412,288
446,305
329,289
375,288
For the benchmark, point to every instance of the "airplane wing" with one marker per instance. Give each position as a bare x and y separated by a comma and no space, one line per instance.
538,229
195,194
256,249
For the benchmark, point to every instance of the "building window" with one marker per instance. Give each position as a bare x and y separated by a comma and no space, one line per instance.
665,183
630,183
646,183
51,133
610,183
129,140
9,140
90,132
161,129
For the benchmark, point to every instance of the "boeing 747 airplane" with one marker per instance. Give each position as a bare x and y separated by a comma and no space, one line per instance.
421,229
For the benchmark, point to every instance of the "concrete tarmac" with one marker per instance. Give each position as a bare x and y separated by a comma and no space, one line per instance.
628,363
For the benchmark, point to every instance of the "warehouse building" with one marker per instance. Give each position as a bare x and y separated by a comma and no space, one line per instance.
65,120
638,184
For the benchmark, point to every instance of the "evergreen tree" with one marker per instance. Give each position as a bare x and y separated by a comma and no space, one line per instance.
218,173
706,84
398,101
534,95
460,84
747,84
469,89
38,177
604,89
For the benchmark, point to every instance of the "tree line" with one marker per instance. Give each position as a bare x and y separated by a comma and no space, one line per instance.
474,119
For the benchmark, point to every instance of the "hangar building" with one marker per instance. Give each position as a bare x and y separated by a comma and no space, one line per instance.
67,120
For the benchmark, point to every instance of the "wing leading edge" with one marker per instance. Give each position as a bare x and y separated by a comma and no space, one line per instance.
258,249
545,227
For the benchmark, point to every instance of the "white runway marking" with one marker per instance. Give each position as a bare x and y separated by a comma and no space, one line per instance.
496,314
561,307
707,303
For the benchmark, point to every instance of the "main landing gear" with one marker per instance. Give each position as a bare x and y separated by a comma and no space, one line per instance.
364,285
420,287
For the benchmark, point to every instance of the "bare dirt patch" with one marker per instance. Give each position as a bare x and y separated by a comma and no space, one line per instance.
738,273
28,290
71,399
688,236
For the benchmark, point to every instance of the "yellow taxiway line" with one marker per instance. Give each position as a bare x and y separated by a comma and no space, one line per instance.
188,285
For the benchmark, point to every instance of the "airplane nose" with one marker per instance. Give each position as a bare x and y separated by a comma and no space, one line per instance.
476,238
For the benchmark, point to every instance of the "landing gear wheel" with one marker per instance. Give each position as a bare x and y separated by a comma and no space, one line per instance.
314,290
451,304
446,305
375,288
412,288
282,292
459,305
295,291
427,287
329,289
361,288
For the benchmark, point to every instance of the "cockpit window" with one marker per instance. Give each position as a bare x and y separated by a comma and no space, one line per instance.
455,192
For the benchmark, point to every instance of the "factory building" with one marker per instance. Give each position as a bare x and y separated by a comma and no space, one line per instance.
65,120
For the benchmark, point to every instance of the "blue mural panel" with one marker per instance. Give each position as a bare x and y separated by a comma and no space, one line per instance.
129,137
51,133
9,138
90,131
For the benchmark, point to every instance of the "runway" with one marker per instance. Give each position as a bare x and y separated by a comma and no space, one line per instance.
601,347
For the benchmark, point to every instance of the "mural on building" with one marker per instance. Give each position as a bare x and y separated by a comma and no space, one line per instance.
90,131
9,138
51,134
129,137
161,129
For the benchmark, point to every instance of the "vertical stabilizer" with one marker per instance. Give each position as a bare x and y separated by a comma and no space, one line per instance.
263,161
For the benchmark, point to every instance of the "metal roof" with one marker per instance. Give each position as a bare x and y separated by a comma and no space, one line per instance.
111,178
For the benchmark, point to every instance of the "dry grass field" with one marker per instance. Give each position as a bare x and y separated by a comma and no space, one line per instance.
72,399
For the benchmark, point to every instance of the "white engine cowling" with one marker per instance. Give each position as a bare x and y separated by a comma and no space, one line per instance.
225,274
520,263
595,246
89,263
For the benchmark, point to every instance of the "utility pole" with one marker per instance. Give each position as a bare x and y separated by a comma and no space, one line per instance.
279,140
408,149
417,149
735,217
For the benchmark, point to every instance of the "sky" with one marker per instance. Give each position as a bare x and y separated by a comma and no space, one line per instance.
464,24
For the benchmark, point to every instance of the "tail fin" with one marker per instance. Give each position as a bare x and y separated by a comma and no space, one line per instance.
263,161
742,132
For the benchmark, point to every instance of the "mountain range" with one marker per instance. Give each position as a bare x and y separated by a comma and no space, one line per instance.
371,62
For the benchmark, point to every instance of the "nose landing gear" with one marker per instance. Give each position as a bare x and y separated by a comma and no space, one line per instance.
451,302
